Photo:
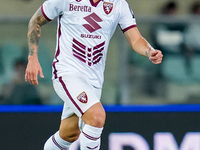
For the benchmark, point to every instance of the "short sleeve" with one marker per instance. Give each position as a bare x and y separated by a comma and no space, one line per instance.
127,19
52,8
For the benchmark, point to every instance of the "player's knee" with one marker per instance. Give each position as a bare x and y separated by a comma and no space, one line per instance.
70,136
95,116
97,119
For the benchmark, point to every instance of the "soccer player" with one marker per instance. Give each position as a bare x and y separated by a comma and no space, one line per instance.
84,31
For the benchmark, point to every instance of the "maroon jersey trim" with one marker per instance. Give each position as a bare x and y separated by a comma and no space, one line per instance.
130,27
94,4
42,9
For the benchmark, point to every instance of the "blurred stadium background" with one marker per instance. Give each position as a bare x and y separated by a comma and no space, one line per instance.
156,94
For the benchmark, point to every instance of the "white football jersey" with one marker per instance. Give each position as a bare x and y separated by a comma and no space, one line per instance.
84,32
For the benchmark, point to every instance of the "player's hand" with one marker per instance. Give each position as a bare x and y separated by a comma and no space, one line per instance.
155,56
32,70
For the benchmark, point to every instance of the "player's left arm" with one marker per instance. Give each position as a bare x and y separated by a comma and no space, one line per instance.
141,46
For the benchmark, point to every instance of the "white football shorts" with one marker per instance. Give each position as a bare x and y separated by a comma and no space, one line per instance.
77,93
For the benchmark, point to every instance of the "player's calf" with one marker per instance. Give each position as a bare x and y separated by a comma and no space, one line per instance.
69,130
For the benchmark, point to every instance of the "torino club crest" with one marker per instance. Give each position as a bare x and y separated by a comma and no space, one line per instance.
82,97
107,7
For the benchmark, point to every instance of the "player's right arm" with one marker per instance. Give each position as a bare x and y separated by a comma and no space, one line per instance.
34,33
141,46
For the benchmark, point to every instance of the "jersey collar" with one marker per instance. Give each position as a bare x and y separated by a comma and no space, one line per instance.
94,4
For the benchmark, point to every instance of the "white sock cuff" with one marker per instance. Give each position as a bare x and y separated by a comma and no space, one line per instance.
60,141
92,131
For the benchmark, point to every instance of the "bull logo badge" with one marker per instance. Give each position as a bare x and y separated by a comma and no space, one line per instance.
107,7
